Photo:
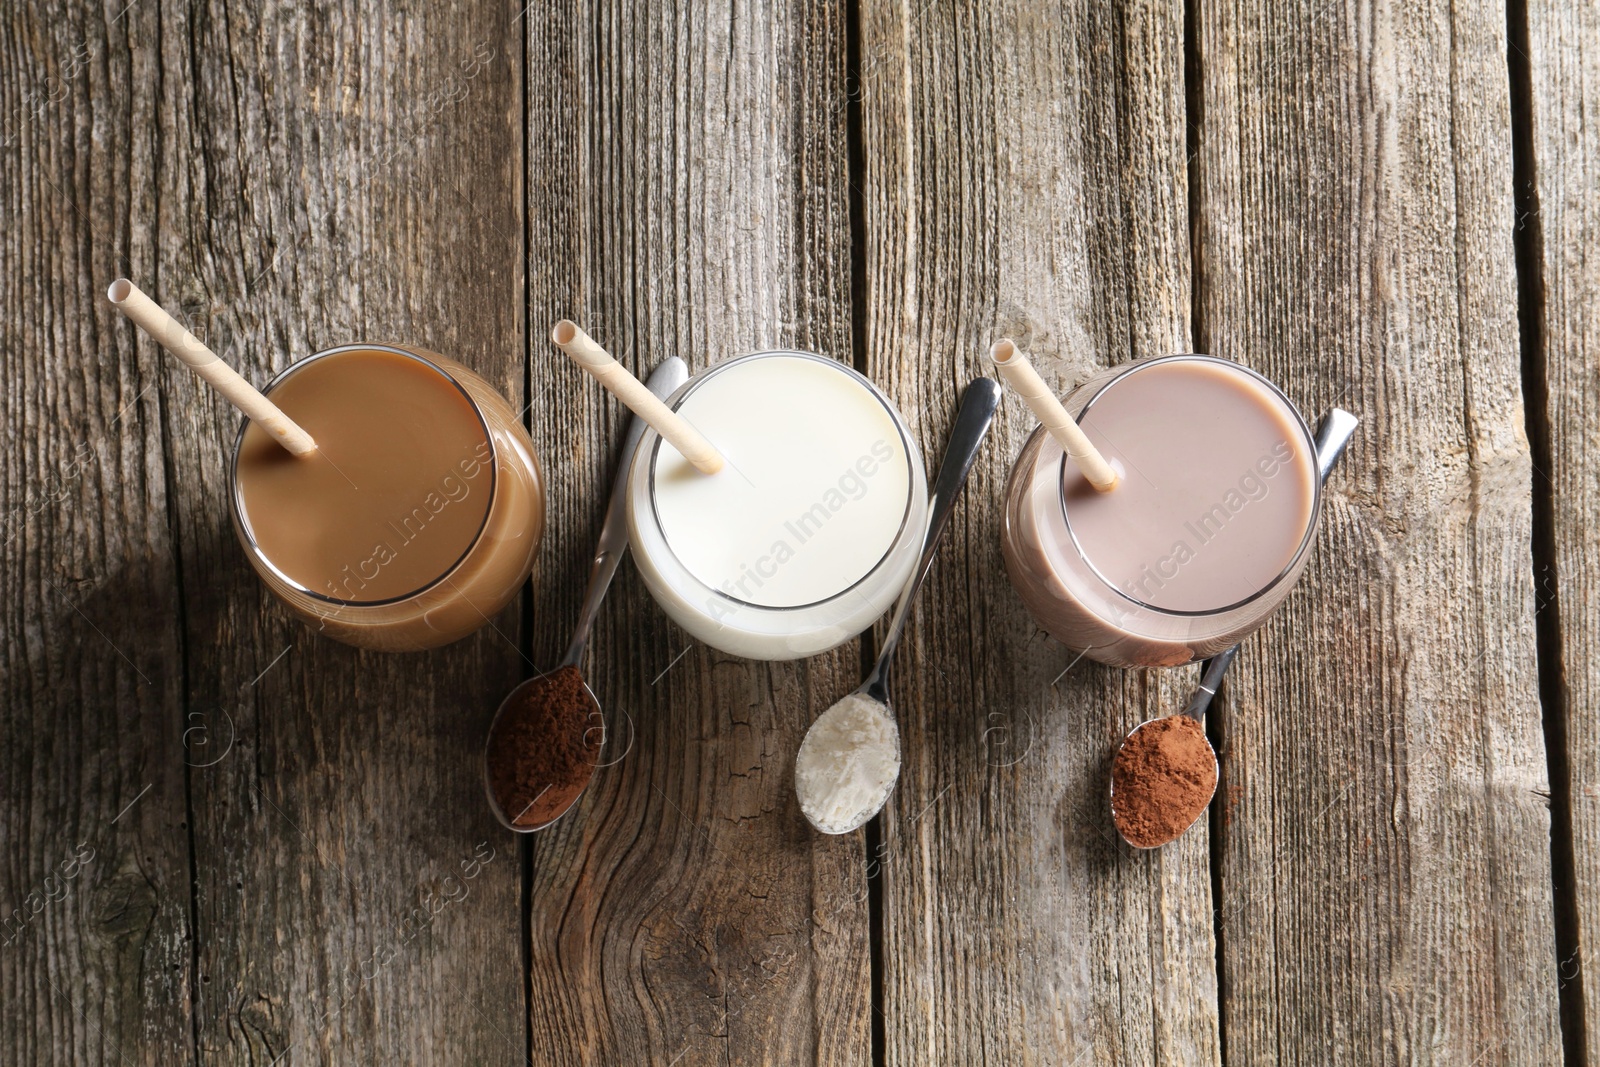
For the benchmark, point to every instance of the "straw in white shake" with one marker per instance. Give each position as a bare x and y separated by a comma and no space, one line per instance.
673,428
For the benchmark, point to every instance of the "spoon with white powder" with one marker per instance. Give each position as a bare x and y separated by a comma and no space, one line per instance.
850,759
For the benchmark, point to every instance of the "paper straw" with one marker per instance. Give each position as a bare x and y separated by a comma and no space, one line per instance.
1019,374
169,334
672,427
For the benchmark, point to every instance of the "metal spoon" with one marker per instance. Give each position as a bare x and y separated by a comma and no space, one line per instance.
978,403
609,550
1333,433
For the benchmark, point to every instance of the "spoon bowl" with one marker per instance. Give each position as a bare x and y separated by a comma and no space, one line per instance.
533,694
864,741
1178,736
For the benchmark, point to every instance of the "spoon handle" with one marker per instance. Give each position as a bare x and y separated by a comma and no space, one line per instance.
979,401
668,375
1209,681
1333,433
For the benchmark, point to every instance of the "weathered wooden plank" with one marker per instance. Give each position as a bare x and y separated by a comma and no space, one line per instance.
1563,60
687,195
321,175
94,883
1025,175
1384,846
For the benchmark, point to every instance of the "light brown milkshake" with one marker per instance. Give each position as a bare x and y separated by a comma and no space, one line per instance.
1203,536
418,517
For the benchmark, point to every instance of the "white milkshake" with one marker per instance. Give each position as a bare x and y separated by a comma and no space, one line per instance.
811,529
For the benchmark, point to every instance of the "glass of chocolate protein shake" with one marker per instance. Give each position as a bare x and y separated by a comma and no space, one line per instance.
1208,527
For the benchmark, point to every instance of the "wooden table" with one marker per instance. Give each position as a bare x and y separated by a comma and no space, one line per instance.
228,840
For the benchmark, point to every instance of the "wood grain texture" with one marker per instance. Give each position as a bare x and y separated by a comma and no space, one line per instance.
316,176
1563,57
94,883
1384,846
231,840
687,196
1025,176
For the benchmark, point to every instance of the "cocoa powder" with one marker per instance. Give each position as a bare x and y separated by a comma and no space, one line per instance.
1161,780
544,749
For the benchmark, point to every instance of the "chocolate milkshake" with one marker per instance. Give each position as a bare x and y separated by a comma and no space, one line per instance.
418,516
1204,534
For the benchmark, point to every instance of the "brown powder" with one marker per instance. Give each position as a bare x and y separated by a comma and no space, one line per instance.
544,748
1161,780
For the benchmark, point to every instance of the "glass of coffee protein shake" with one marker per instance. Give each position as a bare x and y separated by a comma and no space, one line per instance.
1203,536
417,518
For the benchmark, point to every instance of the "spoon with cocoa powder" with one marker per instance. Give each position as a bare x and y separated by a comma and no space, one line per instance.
544,742
1165,771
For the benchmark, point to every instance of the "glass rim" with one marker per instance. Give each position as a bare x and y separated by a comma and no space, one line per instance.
682,394
1307,439
242,518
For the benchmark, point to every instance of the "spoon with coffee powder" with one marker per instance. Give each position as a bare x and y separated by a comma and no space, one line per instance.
545,740
1165,771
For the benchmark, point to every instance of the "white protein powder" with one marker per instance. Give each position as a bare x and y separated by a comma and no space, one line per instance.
847,764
